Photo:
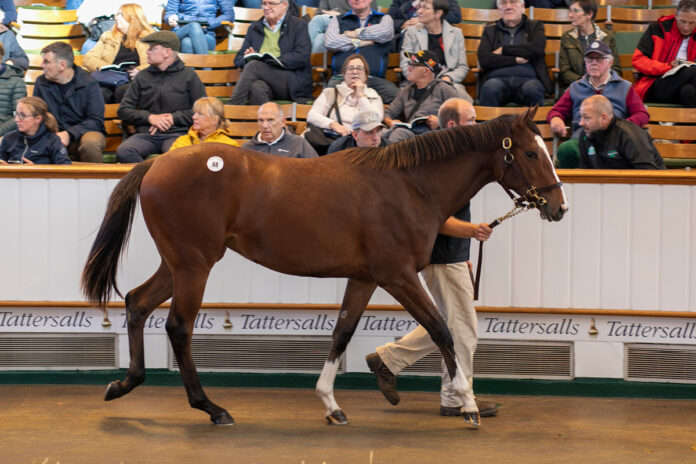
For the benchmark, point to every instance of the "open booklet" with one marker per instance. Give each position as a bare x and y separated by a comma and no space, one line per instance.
413,123
119,67
682,64
266,57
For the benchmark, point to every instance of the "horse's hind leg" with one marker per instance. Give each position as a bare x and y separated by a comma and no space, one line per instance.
189,285
410,293
355,299
140,302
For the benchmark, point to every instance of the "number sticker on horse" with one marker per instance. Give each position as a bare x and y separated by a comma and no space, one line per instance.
215,163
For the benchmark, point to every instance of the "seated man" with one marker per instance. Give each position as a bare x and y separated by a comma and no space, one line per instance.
13,53
320,21
366,132
665,45
274,138
434,33
600,79
609,142
418,102
369,33
511,54
159,100
74,98
284,75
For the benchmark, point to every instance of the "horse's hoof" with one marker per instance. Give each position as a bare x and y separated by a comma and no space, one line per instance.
113,391
337,418
223,419
472,418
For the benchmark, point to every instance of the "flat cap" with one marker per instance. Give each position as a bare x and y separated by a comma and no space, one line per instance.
164,38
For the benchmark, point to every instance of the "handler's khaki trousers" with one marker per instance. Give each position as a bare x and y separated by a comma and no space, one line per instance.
451,288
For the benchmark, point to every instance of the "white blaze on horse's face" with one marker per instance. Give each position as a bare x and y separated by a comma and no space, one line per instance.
542,146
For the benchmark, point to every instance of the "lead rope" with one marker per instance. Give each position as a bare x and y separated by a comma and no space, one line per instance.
513,212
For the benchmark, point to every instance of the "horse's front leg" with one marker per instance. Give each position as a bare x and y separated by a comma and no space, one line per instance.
140,302
410,293
355,299
189,285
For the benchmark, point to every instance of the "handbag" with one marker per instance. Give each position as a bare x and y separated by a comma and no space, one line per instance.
110,78
320,139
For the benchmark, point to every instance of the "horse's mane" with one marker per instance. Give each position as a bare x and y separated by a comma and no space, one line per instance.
437,145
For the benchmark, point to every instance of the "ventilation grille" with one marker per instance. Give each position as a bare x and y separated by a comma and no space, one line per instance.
46,352
531,360
258,354
661,363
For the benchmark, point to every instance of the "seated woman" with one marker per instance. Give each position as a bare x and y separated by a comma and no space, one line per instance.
35,140
12,88
574,42
434,33
209,125
121,45
333,111
195,21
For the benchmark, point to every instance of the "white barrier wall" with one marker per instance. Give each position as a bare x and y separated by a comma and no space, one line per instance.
622,246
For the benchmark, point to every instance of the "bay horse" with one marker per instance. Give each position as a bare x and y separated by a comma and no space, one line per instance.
370,215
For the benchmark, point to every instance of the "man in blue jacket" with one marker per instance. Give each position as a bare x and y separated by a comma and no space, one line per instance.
274,59
75,100
195,21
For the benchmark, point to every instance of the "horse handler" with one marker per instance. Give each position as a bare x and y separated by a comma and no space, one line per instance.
449,281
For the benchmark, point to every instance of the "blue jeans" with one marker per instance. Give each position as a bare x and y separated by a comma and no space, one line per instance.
316,28
498,91
195,39
87,46
137,147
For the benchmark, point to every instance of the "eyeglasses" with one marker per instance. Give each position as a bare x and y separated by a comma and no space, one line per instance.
413,64
22,116
507,2
576,10
355,69
270,4
597,59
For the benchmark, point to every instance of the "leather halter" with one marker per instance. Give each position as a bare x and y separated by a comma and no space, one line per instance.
531,198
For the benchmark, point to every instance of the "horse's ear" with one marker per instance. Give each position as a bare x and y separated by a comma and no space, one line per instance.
531,112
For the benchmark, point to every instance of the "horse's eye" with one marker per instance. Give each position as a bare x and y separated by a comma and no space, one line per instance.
531,154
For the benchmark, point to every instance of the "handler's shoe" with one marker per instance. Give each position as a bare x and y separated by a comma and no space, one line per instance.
385,379
486,409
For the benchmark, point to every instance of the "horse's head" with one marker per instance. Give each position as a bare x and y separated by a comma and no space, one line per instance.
526,167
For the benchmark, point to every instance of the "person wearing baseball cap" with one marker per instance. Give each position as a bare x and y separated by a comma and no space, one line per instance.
414,110
366,132
159,100
599,79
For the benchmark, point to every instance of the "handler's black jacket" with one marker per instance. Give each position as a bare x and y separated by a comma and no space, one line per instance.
622,145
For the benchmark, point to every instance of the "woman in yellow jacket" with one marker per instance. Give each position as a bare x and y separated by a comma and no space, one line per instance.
121,45
209,125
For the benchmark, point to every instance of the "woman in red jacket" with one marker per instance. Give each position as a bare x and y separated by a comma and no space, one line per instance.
663,55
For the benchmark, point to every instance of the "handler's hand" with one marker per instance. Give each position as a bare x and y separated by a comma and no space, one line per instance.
482,232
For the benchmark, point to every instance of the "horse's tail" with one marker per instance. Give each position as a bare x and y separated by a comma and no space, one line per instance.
99,274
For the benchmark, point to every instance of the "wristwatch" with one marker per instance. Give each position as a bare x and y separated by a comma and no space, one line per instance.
356,42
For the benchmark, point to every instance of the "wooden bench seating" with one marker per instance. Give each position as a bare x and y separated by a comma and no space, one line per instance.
674,133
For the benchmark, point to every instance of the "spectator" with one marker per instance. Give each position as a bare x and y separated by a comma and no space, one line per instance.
448,279
97,16
119,45
9,13
159,100
404,14
13,53
333,112
660,55
369,33
327,9
434,33
418,102
195,21
600,79
74,99
366,133
574,42
12,88
511,54
274,138
609,142
35,140
287,73
209,125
